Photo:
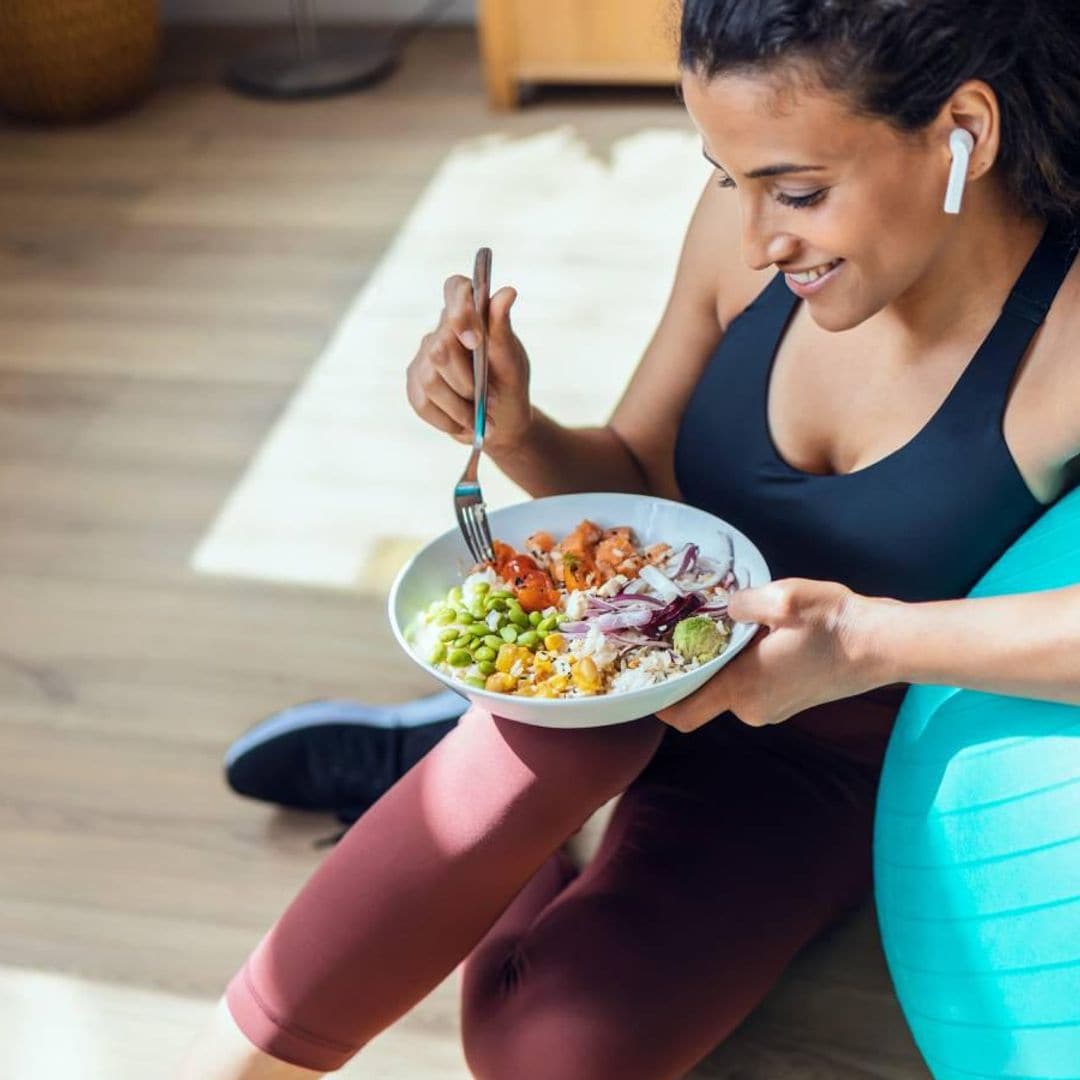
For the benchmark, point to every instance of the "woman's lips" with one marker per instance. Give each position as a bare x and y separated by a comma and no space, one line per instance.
812,288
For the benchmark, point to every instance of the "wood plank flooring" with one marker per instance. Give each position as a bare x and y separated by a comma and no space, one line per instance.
166,278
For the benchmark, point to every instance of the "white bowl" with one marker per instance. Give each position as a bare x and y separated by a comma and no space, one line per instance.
431,572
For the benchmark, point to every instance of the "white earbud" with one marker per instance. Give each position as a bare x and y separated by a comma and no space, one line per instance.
961,144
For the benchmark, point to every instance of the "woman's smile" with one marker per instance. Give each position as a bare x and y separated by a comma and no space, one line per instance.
810,282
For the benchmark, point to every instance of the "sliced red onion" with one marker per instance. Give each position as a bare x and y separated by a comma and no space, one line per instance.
661,583
679,608
690,554
705,582
639,596
634,588
601,604
623,620
728,558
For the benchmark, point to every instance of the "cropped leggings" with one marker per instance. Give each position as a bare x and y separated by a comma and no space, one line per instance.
729,850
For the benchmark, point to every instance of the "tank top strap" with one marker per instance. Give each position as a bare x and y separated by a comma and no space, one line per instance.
985,383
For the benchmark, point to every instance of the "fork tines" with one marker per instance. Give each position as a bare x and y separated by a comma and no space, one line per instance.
472,520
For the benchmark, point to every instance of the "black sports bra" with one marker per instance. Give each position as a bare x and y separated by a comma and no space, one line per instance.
923,523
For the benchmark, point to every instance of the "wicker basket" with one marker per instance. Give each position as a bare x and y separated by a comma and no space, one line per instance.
75,59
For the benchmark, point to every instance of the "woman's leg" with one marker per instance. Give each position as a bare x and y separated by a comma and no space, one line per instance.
731,851
419,879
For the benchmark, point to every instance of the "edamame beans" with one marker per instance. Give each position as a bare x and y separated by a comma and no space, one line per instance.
471,631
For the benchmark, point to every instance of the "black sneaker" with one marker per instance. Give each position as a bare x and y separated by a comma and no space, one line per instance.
339,756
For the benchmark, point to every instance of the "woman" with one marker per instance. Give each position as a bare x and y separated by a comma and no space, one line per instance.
883,396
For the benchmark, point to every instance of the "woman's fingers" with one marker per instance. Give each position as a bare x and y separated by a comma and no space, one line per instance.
459,314
448,401
433,415
453,364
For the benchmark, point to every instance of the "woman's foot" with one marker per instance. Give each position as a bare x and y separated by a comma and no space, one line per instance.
339,756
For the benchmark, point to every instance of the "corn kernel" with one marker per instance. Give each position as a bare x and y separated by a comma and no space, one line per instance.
586,676
554,643
500,683
558,683
543,666
504,659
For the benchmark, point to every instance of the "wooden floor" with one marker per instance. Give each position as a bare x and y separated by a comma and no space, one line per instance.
167,278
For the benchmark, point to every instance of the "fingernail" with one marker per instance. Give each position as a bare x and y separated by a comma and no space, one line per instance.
468,339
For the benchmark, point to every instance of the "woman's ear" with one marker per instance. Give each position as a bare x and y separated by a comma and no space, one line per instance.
973,106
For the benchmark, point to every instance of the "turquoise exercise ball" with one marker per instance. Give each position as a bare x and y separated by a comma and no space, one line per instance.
977,856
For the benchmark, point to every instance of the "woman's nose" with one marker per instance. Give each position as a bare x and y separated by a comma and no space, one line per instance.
764,246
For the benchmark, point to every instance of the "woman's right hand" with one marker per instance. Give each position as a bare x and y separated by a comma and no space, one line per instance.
439,381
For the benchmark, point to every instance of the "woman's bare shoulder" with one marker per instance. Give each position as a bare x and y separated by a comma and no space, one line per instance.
1042,422
715,240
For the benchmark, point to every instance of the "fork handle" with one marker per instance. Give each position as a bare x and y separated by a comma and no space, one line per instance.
481,283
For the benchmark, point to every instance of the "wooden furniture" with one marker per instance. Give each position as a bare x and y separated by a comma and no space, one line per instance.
577,41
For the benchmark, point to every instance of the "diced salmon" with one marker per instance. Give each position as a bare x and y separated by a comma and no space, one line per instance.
657,553
540,542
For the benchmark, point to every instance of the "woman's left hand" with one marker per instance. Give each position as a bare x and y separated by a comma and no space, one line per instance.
809,650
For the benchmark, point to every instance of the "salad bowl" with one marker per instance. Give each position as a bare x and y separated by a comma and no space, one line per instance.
696,539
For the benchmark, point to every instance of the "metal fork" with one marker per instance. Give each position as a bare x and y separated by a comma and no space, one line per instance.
468,499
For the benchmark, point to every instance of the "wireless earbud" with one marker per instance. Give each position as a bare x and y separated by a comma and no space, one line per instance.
961,144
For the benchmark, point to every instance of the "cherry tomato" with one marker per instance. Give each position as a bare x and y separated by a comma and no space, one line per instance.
537,592
518,567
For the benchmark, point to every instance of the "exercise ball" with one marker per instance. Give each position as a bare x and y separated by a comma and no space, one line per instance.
977,856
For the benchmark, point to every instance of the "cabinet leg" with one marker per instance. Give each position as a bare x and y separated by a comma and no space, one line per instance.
497,48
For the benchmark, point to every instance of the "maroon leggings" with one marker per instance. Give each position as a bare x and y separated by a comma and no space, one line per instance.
729,850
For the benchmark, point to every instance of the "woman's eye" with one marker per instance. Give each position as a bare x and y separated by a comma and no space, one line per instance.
725,182
800,202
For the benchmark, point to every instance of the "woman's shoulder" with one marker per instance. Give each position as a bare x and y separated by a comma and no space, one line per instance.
1042,424
714,244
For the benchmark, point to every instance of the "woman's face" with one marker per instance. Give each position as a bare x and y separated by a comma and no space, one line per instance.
824,192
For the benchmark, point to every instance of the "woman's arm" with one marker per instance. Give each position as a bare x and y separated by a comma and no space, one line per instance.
1024,645
635,450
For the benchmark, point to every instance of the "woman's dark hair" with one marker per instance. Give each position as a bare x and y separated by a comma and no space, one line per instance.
899,60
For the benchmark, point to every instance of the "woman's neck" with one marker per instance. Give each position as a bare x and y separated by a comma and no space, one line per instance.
968,280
